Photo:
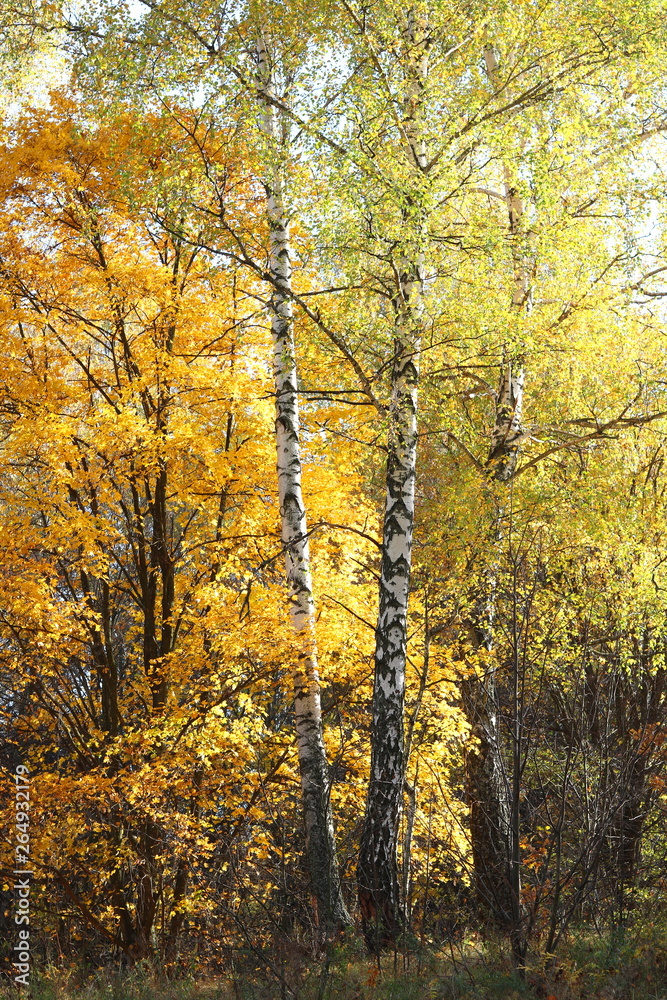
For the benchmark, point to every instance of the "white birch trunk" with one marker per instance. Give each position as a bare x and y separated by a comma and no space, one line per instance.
507,432
377,872
331,914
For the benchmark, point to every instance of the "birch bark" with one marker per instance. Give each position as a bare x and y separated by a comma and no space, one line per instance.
377,871
330,911
492,790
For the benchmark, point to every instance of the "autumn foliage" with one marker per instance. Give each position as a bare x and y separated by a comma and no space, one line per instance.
147,654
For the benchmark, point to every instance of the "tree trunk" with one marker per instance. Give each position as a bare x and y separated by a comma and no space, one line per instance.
486,790
176,916
488,785
377,871
492,793
331,914
639,716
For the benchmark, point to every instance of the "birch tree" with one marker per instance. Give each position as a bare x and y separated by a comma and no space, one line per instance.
331,914
494,774
377,871
492,795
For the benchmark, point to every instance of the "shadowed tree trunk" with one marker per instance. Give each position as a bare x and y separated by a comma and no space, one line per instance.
639,712
491,795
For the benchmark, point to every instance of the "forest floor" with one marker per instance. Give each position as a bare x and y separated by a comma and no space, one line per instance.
588,968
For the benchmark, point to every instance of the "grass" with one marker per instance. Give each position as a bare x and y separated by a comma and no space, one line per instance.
622,967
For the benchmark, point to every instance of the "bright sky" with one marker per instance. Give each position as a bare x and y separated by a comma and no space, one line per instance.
47,69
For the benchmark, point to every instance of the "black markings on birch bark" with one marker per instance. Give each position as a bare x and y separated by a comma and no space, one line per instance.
330,911
377,871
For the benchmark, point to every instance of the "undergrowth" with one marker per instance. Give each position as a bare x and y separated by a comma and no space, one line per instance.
629,966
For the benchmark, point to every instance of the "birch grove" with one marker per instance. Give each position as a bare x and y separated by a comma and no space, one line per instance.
332,478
